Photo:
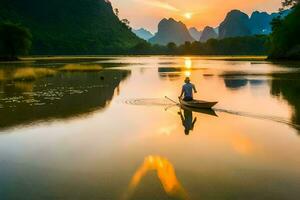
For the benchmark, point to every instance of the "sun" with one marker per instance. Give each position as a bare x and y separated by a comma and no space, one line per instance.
188,15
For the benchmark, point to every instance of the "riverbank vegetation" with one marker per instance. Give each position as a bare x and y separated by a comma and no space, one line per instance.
81,68
25,74
285,38
249,45
15,40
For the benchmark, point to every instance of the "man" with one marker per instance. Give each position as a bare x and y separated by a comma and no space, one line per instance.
187,90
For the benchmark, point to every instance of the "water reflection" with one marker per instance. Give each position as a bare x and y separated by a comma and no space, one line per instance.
243,153
187,117
165,173
188,121
177,71
188,64
235,83
288,89
239,83
29,94
169,73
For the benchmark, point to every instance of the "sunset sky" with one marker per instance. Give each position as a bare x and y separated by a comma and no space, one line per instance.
197,13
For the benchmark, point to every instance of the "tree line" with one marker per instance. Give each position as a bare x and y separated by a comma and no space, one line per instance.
283,43
248,45
285,37
16,40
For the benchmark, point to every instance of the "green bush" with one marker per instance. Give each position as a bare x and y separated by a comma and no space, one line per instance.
15,40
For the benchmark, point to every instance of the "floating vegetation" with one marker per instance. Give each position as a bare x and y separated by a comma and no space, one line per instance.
31,74
16,99
24,86
2,76
81,68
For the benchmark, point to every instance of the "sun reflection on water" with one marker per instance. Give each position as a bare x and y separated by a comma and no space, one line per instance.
188,63
165,173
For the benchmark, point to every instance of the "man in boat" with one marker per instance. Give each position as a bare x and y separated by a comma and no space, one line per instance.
187,90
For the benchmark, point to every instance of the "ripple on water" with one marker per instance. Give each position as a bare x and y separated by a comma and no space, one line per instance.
148,102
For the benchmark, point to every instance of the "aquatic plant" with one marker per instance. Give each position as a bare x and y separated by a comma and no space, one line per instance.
2,76
31,74
81,68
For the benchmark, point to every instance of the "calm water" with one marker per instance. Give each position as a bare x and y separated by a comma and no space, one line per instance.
112,135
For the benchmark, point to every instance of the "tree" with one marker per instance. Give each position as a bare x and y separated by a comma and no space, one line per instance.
126,22
285,40
185,48
287,3
117,12
171,47
15,40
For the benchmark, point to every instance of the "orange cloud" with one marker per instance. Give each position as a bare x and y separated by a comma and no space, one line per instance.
159,4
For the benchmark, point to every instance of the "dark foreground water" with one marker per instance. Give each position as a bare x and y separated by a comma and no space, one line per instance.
110,134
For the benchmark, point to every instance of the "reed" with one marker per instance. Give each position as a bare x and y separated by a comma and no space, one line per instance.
81,68
31,74
2,76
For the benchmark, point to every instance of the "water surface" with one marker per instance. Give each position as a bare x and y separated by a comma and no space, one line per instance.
111,134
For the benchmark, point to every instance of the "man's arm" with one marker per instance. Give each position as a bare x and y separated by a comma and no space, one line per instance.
195,90
182,91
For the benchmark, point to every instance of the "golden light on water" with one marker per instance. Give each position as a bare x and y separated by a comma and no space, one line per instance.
188,63
166,174
187,73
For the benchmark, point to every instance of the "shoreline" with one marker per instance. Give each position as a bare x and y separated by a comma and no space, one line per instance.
83,58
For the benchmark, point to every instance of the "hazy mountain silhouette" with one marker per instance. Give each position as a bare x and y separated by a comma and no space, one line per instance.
235,24
238,23
260,22
70,27
170,30
195,33
143,33
208,33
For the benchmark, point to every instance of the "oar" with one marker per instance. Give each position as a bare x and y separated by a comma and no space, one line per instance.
178,104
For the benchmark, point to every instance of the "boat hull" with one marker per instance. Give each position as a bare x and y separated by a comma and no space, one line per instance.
198,104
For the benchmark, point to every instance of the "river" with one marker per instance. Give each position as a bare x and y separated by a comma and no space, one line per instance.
110,133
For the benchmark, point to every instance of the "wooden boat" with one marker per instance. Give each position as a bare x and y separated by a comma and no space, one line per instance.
198,104
207,111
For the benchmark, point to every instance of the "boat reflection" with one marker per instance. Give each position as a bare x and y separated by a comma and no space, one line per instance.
187,119
165,173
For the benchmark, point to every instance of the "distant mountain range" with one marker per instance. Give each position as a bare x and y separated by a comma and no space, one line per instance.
208,33
195,33
236,23
143,33
170,30
70,27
